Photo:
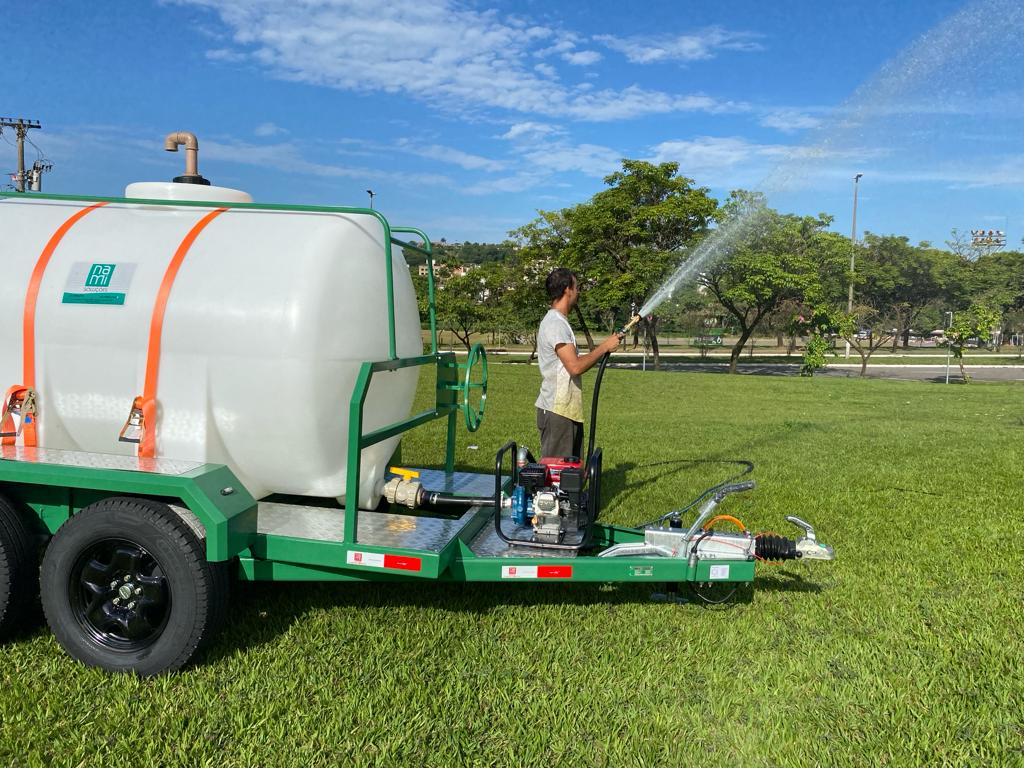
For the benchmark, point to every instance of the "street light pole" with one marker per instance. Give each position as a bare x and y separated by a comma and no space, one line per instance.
371,194
853,251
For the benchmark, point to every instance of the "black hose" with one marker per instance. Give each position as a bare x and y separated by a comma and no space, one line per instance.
748,468
748,465
438,500
593,408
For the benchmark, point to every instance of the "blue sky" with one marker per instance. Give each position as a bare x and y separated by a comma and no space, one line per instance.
465,118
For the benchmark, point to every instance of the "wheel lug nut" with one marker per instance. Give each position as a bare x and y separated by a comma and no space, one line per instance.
127,578
113,584
131,604
117,601
138,590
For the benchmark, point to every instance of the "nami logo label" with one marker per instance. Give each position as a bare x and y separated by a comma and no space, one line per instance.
98,283
99,276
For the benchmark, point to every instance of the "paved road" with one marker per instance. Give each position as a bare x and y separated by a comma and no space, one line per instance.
902,372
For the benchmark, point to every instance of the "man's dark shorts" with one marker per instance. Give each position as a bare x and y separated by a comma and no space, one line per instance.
559,436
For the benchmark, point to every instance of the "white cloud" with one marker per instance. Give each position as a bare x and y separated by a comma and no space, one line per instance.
450,155
704,44
977,174
731,162
268,129
543,152
438,51
286,158
547,70
520,182
225,54
564,44
531,131
721,161
634,101
582,58
589,159
789,120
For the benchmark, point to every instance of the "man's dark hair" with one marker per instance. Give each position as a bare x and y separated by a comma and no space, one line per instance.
558,282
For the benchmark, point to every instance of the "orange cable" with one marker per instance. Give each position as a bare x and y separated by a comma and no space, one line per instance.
727,519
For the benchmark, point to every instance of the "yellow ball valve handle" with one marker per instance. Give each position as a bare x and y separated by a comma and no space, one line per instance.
405,474
475,415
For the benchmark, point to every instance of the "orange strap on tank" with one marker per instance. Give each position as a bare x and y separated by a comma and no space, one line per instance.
145,404
21,398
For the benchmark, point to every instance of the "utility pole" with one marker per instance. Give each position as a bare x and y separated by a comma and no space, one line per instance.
853,252
21,128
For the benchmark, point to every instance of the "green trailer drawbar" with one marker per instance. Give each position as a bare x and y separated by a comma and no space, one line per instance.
183,409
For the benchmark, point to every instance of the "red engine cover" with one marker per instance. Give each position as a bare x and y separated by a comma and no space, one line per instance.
555,465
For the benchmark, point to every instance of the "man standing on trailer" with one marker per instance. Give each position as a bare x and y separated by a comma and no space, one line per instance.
560,403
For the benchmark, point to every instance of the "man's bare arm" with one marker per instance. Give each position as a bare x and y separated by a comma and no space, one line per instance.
576,363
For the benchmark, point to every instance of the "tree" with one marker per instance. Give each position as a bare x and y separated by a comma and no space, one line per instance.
625,240
903,280
964,246
514,299
821,324
774,258
996,280
975,324
459,304
539,246
867,329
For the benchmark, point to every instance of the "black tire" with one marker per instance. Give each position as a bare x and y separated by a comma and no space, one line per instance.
19,570
162,602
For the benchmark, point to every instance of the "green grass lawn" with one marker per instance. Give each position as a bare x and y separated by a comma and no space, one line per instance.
905,651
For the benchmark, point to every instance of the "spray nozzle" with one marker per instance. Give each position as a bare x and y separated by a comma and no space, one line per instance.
636,319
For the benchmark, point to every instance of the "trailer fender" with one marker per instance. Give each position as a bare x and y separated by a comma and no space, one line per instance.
220,509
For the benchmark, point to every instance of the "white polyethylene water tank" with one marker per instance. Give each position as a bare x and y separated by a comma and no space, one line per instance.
267,324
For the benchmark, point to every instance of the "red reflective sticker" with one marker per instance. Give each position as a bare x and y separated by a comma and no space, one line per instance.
402,563
554,572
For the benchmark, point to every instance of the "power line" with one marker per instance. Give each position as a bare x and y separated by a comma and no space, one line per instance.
39,152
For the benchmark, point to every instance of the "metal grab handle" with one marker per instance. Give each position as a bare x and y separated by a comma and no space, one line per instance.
725,490
499,461
807,528
710,504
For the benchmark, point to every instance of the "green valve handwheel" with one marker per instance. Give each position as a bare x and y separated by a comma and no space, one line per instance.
474,415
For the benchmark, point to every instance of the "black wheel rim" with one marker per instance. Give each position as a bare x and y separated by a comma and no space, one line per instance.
119,594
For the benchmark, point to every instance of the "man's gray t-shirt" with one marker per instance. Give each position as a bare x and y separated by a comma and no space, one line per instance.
559,392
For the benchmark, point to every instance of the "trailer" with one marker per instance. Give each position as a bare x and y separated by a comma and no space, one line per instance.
132,555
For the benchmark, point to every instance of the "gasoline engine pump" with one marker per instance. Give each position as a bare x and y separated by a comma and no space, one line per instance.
549,495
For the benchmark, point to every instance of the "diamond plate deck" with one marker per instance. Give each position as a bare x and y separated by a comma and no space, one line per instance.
487,543
382,529
97,460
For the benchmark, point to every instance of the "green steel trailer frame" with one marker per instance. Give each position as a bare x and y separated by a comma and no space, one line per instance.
280,540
